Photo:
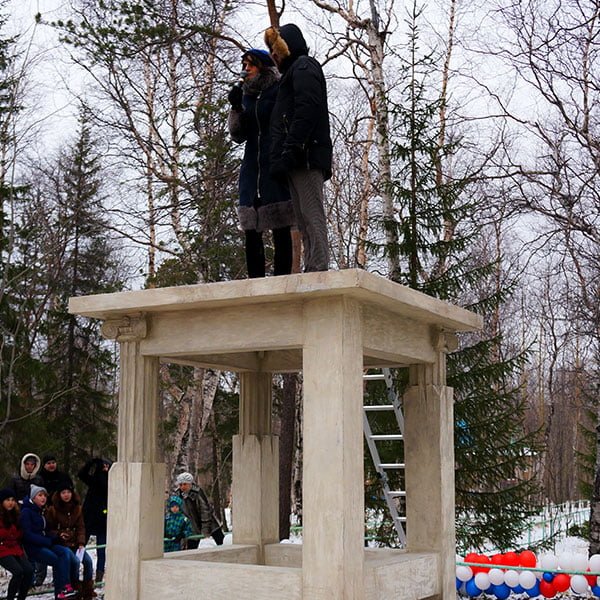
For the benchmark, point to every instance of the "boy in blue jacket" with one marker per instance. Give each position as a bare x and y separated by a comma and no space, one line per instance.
43,547
177,525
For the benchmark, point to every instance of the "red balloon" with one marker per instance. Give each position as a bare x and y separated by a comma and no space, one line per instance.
511,559
473,557
477,569
484,561
591,579
561,582
497,559
547,588
527,559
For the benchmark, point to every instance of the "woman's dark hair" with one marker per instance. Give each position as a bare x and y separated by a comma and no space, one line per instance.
252,60
9,517
58,501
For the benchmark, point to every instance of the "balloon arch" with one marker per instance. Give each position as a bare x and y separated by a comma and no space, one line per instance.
501,575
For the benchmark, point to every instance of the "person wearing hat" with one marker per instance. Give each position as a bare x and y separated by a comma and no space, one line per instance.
264,202
95,506
12,555
65,519
52,476
301,149
43,546
198,510
27,475
177,525
52,479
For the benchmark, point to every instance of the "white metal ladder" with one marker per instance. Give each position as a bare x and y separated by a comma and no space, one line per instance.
395,405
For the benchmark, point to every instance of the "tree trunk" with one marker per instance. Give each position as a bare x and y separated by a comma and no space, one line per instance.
286,453
595,503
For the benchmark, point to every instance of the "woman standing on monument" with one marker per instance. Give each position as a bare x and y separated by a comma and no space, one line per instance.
264,203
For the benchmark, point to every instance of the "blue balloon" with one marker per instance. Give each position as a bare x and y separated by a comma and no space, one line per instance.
548,576
517,589
472,589
501,591
596,590
534,591
458,583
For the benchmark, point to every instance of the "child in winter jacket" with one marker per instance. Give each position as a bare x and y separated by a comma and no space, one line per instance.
177,525
43,547
65,520
12,555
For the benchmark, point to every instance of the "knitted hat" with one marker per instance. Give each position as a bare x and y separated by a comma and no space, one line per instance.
37,489
175,500
259,56
48,457
184,478
65,484
6,493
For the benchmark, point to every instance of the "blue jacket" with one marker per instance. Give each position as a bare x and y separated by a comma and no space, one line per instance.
33,524
177,526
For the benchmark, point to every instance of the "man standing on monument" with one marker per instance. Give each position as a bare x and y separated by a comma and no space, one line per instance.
301,148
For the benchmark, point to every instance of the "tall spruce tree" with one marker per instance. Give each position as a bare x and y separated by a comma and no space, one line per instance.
441,254
21,369
81,259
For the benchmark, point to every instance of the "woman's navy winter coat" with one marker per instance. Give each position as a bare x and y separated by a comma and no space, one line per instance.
264,202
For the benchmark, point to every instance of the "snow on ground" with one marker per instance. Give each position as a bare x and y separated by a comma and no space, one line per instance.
36,592
574,545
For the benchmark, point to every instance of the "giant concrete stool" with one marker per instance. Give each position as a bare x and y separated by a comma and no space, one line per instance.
330,326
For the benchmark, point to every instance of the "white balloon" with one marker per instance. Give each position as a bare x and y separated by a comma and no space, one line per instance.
595,563
527,579
496,576
579,584
464,573
549,562
580,562
482,581
511,578
565,561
